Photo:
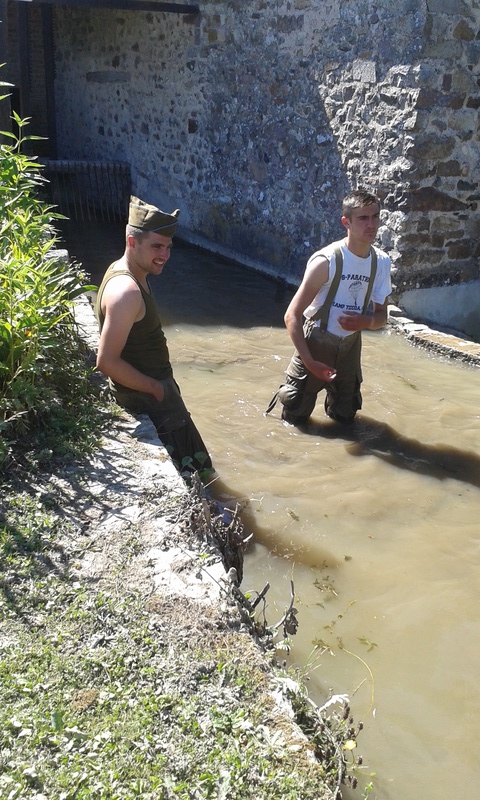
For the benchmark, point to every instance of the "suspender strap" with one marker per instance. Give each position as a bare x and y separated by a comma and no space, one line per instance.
373,272
324,311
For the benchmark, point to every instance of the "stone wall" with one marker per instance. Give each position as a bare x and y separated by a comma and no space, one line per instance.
256,117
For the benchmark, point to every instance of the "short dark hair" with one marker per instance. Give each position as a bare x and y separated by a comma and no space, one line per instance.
137,233
358,199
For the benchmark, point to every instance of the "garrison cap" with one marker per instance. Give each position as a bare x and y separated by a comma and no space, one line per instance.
149,218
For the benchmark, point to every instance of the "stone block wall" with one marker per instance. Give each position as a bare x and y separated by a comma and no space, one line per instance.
256,117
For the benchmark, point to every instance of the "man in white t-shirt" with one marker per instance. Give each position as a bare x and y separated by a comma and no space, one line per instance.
328,349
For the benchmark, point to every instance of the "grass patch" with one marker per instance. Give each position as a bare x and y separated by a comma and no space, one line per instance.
97,704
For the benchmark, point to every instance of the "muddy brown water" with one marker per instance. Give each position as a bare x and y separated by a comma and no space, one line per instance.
377,526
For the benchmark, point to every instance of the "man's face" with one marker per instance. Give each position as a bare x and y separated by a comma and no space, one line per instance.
151,252
364,223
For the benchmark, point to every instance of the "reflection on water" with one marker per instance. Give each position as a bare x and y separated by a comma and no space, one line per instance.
383,549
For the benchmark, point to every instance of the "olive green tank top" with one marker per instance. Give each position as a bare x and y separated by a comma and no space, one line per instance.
146,346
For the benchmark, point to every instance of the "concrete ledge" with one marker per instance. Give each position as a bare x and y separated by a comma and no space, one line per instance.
445,344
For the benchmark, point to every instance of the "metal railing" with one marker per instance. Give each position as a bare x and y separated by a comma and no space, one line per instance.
89,191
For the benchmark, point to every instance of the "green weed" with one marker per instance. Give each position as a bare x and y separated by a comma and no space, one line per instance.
45,389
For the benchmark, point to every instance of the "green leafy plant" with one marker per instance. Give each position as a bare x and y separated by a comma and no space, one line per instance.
43,370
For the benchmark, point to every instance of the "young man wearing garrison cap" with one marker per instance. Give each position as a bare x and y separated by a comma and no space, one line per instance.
133,350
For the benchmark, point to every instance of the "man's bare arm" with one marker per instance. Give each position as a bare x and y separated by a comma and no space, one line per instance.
315,276
122,306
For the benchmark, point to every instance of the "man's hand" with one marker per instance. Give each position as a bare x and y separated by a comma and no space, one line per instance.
321,370
157,390
352,321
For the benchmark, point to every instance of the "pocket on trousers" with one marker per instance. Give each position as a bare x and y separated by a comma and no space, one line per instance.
290,394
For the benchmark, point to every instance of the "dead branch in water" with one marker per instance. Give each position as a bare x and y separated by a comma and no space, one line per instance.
211,523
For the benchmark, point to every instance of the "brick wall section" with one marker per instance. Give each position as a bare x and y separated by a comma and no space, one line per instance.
256,117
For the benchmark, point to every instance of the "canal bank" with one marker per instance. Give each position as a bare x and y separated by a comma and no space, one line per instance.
441,342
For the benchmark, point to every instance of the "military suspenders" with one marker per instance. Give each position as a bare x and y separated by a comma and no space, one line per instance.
323,312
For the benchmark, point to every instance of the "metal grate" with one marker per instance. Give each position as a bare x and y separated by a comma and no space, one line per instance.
89,191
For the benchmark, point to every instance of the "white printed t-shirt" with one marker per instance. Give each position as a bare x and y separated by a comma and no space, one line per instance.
353,285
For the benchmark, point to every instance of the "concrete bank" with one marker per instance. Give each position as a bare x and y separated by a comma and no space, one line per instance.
441,342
